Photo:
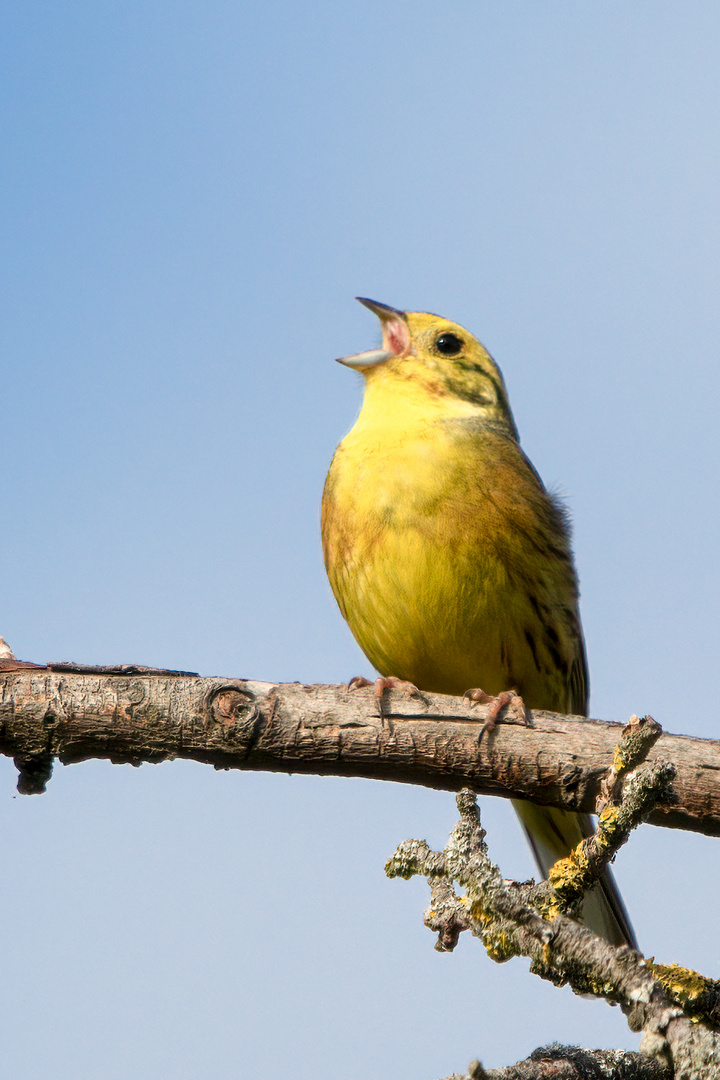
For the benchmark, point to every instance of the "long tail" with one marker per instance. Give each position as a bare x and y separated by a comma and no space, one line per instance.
552,834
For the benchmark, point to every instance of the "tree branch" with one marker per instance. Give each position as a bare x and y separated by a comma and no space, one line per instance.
510,919
557,1062
140,715
628,794
134,714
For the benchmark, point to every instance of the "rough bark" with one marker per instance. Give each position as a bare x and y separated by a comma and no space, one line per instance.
136,715
140,715
516,919
557,1062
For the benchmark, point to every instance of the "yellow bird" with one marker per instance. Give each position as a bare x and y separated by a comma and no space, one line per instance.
448,558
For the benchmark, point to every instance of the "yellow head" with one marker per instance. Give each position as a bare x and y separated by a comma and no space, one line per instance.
437,355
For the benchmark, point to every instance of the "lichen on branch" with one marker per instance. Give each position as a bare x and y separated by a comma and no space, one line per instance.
528,919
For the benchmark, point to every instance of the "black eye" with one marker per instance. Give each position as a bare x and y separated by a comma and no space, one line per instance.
448,344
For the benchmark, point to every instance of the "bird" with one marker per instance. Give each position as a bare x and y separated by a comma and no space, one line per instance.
450,561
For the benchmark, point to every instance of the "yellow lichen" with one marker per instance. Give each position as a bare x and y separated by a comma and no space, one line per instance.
698,995
608,826
562,873
619,761
683,983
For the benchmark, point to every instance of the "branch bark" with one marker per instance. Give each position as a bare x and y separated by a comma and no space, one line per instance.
514,919
140,715
557,1062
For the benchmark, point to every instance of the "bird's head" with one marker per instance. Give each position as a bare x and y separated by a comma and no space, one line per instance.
437,355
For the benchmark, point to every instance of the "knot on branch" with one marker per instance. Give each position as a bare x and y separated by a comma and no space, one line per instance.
236,714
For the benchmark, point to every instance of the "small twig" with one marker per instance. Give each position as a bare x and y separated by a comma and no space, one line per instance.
573,877
638,736
624,802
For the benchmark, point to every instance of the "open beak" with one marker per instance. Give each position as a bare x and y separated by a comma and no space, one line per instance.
396,337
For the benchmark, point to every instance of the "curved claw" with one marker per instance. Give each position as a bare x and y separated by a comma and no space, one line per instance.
383,683
508,699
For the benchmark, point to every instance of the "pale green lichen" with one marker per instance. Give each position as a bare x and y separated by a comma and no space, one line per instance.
498,943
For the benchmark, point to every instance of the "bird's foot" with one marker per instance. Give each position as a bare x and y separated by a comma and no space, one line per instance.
385,682
509,700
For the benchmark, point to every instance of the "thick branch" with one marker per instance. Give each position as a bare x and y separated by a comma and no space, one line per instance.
433,740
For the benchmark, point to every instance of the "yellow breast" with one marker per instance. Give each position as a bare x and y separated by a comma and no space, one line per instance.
435,541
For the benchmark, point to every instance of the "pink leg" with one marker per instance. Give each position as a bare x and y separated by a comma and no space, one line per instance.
508,699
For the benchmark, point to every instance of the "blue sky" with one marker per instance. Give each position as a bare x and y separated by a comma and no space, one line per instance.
193,194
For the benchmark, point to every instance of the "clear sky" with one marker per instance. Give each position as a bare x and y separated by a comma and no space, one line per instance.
192,194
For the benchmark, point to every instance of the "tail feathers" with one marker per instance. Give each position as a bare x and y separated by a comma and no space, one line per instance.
552,834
